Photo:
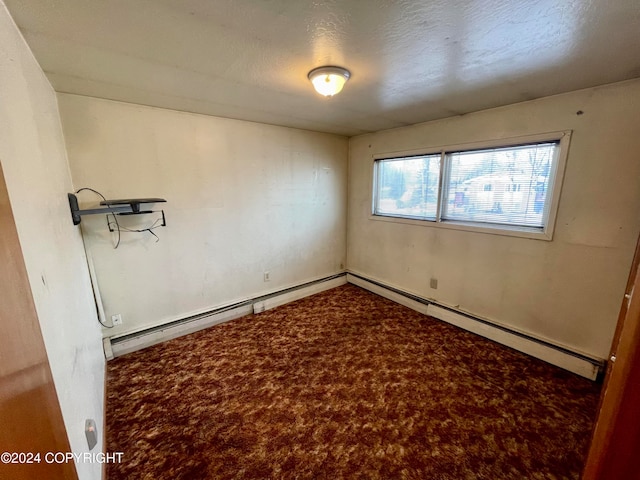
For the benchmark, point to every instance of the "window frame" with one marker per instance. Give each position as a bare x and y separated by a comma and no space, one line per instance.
556,178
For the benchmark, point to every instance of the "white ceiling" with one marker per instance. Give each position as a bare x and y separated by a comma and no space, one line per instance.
410,60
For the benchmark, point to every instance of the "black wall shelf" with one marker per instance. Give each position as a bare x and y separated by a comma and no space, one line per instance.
127,206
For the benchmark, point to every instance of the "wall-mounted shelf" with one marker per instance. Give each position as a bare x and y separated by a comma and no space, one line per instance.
128,206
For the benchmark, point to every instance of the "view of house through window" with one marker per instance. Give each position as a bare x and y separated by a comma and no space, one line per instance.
505,187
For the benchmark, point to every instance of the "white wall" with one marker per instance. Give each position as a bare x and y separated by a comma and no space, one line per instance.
242,198
568,290
33,157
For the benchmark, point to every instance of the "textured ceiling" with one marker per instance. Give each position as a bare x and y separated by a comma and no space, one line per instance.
410,60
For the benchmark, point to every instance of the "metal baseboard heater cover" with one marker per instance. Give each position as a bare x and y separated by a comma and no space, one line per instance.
118,346
562,357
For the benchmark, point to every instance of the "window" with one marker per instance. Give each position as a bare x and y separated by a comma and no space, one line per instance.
511,189
408,187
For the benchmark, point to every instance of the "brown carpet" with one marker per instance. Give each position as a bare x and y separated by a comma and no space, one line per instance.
344,385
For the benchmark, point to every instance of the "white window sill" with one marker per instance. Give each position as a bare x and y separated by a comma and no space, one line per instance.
505,230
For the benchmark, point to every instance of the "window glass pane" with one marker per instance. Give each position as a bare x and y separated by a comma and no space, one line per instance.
408,187
506,186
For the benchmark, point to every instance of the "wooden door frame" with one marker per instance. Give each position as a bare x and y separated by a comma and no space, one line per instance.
615,444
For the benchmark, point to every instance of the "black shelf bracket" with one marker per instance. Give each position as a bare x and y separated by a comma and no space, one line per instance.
129,206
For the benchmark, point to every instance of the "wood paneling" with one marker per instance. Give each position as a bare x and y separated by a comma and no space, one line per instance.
30,416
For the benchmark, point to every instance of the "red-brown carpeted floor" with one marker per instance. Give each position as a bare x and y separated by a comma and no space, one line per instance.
344,385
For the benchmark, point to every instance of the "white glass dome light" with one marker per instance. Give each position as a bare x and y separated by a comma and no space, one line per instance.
328,81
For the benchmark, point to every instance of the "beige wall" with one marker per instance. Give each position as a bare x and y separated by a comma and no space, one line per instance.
242,198
34,160
568,290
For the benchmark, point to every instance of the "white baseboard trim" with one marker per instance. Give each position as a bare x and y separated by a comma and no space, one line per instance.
297,294
555,355
116,347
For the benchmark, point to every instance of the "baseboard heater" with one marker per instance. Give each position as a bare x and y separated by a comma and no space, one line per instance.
562,357
118,346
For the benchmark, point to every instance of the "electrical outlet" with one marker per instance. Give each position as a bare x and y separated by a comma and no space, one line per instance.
266,276
116,319
433,283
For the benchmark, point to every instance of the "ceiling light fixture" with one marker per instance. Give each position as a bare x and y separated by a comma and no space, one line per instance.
328,81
